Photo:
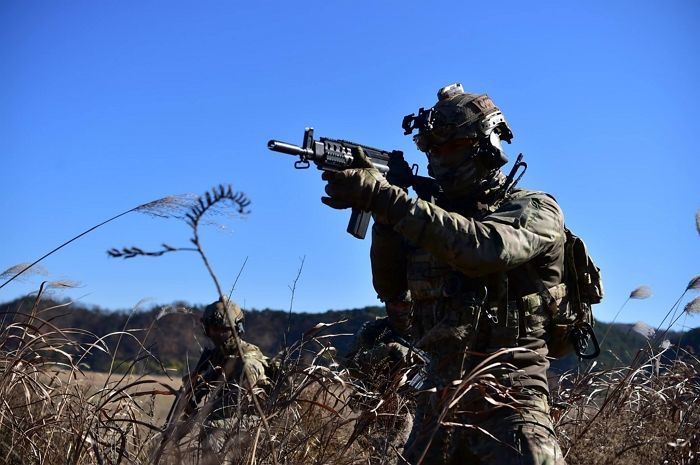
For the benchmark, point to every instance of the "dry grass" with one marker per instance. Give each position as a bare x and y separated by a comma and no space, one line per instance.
645,413
310,414
157,406
52,412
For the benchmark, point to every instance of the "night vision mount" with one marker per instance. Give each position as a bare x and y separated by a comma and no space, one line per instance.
423,122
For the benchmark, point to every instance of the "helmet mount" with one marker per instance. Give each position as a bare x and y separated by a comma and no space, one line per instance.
458,115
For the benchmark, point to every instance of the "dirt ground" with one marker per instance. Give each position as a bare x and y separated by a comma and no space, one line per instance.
151,392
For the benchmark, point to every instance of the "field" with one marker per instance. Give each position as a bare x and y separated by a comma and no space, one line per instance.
155,407
315,410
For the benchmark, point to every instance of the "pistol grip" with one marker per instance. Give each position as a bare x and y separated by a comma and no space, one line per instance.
359,221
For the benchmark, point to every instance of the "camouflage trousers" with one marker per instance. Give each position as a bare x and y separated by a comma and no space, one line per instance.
491,436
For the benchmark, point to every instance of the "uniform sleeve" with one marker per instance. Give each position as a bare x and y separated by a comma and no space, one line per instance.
516,233
255,363
388,258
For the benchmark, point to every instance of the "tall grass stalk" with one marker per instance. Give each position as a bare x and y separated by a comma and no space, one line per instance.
156,207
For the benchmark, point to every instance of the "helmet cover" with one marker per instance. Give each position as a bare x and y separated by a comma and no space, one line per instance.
215,315
457,115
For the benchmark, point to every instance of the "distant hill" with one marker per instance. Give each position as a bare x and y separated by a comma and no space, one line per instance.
177,337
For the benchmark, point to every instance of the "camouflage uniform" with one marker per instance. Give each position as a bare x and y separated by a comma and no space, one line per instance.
468,274
482,263
228,375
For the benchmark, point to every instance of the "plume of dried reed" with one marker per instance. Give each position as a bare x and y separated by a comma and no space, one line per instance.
644,413
50,411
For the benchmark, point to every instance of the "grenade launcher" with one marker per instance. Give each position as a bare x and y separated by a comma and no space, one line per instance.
337,155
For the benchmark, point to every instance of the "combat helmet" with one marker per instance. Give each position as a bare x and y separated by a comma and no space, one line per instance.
214,315
461,115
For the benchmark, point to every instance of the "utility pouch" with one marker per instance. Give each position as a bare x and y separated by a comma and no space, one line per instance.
584,289
570,303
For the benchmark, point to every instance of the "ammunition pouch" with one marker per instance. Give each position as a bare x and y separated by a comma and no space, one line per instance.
555,305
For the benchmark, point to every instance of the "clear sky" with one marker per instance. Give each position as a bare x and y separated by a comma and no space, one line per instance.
108,105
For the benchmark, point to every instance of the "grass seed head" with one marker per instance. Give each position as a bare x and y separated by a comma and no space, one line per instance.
63,284
642,292
173,206
13,270
643,329
693,307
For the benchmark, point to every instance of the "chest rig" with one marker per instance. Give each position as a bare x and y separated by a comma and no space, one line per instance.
484,305
480,314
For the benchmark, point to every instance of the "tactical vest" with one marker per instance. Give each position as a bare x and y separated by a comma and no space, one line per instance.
517,308
456,317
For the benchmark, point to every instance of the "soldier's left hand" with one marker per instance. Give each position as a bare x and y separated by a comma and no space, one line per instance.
366,189
354,187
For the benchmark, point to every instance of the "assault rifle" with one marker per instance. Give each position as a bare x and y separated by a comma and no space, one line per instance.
337,155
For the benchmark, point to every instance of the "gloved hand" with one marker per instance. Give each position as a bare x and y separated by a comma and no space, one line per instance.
366,189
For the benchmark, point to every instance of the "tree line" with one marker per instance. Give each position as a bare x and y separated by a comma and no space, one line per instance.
171,336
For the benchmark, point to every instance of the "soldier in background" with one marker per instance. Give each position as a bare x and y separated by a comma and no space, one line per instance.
483,263
223,383
379,362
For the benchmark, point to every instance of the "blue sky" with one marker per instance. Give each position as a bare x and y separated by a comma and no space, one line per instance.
108,105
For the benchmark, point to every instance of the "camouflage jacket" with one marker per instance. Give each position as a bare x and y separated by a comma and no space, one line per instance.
229,379
468,271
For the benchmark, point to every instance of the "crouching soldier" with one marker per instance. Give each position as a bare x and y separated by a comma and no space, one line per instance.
219,394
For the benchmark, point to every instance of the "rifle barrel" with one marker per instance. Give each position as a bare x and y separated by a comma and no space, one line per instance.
290,149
